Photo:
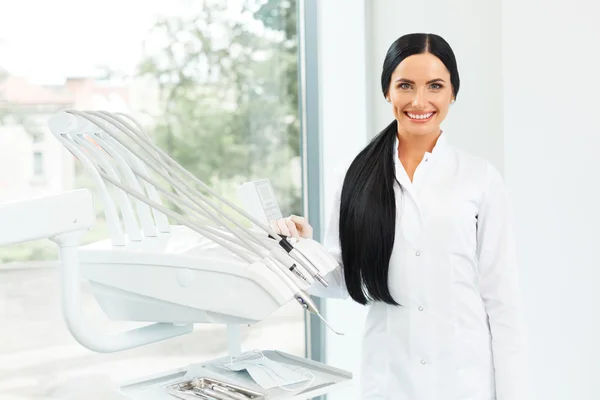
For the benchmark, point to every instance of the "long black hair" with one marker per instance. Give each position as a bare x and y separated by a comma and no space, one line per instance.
367,220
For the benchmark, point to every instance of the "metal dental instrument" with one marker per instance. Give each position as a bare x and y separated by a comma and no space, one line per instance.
207,388
214,394
231,395
188,395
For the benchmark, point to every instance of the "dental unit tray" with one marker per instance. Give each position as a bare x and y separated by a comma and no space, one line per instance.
171,267
158,387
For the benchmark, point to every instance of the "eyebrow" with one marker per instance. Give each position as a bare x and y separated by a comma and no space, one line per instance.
431,81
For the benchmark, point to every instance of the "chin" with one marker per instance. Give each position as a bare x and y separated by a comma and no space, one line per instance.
420,129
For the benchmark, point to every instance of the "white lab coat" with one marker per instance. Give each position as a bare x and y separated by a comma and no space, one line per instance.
458,334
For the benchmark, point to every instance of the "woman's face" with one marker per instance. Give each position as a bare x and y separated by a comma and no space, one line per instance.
420,93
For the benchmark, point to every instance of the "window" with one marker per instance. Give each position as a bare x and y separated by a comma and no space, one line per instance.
215,84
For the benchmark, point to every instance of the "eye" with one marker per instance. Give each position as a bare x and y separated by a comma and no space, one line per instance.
404,86
436,86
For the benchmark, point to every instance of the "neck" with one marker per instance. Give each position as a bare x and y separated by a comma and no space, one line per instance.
415,146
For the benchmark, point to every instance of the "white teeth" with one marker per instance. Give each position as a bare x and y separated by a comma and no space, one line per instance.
419,116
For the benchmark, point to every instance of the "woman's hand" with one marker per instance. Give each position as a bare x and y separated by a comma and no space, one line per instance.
293,226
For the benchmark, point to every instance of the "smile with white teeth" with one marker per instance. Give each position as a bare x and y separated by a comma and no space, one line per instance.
419,116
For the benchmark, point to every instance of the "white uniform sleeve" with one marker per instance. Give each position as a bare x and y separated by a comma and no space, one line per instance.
331,243
498,284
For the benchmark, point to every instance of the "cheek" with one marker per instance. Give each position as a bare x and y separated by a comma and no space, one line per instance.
442,108
442,112
401,99
398,113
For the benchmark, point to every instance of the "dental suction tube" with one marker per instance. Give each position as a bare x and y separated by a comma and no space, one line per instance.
113,134
110,123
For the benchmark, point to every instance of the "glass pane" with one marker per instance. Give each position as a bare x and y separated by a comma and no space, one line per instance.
215,83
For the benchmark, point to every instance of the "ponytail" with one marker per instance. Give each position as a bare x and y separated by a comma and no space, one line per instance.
367,221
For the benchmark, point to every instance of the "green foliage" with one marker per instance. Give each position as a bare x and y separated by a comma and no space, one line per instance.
229,95
31,251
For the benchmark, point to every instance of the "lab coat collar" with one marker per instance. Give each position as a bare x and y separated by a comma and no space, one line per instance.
437,149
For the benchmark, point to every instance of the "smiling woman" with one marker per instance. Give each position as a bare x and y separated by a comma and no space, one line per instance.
405,200
423,234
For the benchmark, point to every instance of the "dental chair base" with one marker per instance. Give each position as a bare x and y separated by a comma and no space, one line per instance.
324,379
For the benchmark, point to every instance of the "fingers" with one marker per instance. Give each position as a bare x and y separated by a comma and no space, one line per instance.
304,228
300,222
292,227
297,219
283,229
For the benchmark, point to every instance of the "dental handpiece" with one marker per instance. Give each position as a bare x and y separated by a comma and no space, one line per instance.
306,263
289,263
301,259
300,295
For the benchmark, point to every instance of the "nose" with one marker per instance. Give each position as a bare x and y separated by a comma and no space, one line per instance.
419,100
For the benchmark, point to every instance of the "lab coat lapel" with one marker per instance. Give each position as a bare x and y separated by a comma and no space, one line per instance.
414,188
408,188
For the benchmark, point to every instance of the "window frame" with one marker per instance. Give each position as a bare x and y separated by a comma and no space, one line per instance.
310,136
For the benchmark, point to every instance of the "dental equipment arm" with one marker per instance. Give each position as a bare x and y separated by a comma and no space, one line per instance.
104,117
109,126
114,148
63,219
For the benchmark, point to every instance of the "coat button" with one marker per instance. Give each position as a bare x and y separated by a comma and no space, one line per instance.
420,308
423,362
418,253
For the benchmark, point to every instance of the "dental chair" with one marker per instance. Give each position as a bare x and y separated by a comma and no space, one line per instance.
177,254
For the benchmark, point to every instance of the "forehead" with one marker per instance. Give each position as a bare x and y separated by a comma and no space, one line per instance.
421,67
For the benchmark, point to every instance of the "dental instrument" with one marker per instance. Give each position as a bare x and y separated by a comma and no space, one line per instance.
142,139
121,125
210,266
216,264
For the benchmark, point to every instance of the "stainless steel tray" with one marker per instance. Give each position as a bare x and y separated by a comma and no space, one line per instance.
157,387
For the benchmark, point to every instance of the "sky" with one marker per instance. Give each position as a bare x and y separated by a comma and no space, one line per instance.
47,40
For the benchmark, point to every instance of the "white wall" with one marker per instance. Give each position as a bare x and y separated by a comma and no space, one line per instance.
354,36
552,139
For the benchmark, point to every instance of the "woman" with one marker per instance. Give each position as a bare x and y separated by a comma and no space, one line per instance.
422,233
